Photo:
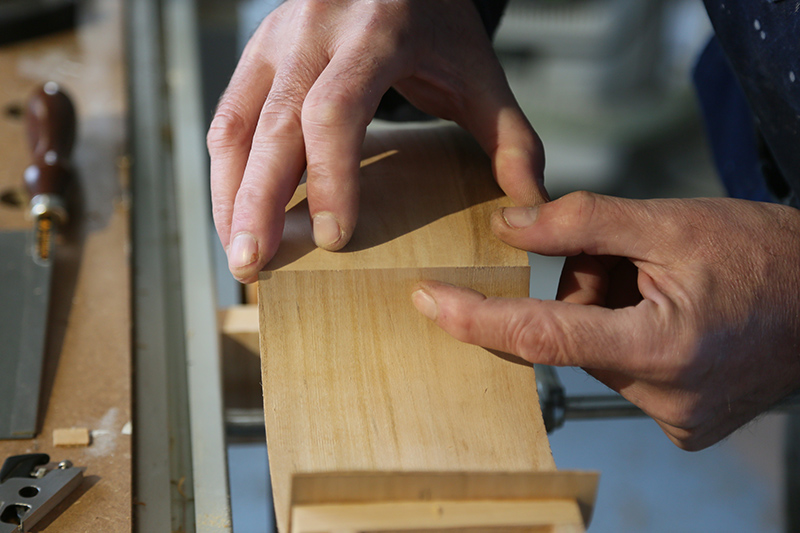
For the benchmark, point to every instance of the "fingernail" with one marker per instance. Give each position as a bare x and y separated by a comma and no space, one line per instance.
425,303
243,251
520,217
326,230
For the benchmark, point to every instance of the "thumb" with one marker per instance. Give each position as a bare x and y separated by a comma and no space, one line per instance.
588,223
546,332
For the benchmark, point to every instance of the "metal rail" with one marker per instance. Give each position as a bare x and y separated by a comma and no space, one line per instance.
181,463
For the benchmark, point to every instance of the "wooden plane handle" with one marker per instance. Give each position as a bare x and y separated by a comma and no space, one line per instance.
51,123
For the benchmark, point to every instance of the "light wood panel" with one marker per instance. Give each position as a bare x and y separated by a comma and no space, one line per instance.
355,379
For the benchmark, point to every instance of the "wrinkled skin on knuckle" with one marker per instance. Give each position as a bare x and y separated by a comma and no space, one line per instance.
331,107
387,19
228,130
461,70
575,210
312,12
541,341
280,124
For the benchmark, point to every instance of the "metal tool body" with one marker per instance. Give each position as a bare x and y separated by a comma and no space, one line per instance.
27,258
29,490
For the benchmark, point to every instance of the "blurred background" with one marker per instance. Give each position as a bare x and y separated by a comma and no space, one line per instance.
607,84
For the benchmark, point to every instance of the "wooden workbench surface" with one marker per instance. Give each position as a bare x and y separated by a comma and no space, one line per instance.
87,371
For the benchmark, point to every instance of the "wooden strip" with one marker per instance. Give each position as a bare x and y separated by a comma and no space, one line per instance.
373,487
436,515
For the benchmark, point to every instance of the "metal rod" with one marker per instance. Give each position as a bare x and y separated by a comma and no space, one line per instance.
592,407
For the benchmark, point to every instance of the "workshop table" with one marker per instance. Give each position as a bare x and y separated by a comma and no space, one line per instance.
87,374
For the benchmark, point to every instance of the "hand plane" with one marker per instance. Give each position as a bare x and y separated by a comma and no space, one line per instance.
29,489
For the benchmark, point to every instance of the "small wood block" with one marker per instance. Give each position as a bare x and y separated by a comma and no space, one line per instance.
239,325
241,366
71,437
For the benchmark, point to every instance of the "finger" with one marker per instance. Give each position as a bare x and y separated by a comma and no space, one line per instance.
478,97
588,223
493,116
274,167
517,154
546,332
231,132
336,113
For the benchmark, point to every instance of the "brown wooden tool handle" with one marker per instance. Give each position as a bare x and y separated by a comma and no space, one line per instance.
43,178
51,123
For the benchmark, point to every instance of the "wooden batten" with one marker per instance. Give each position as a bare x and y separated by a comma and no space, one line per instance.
355,379
429,501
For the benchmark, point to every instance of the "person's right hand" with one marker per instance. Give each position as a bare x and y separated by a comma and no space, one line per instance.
307,85
688,308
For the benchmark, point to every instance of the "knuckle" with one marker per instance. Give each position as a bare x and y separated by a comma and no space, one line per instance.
543,342
279,122
330,107
579,208
312,10
229,129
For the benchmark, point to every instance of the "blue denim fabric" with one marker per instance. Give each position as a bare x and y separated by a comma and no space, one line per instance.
729,126
761,40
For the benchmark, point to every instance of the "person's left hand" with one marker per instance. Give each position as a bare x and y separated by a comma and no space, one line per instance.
688,308
309,82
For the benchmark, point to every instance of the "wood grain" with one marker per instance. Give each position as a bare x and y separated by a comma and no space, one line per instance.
437,515
355,379
382,487
88,358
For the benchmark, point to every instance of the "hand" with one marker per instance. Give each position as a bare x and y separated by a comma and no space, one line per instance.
307,85
688,308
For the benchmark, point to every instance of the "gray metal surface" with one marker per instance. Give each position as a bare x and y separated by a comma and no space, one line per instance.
24,295
211,495
39,495
181,463
164,479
